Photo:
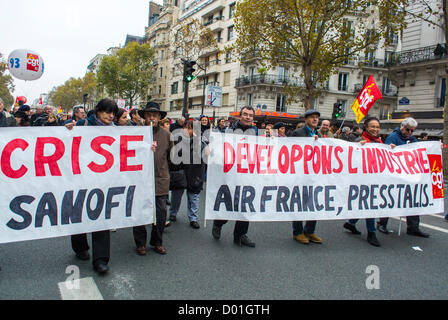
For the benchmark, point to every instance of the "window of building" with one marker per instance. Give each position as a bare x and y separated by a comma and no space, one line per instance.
365,78
442,92
226,78
225,99
283,74
231,11
281,103
174,87
342,81
249,99
230,33
160,89
228,57
161,72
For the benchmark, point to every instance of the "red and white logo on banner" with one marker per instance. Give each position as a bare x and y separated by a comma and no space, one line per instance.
32,62
435,163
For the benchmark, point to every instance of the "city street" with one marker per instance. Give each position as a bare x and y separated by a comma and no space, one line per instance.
200,268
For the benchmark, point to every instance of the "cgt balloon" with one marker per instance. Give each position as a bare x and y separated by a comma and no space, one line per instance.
25,64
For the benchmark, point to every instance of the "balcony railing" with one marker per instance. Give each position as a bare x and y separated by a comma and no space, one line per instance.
207,64
419,55
209,22
268,79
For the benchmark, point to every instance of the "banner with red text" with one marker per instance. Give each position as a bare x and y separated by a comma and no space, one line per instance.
296,179
58,182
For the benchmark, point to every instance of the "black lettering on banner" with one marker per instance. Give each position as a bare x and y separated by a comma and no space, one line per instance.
382,189
223,196
316,198
266,197
353,193
248,197
236,198
283,194
72,212
416,203
363,196
426,196
47,207
17,209
130,200
400,187
373,196
307,197
295,200
110,194
407,197
328,198
93,214
391,198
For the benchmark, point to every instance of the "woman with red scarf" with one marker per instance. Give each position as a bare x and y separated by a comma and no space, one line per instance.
370,135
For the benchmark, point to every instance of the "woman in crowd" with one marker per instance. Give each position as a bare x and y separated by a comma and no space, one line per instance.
188,175
371,134
104,114
122,118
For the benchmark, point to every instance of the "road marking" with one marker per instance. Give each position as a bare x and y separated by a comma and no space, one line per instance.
427,226
438,216
82,289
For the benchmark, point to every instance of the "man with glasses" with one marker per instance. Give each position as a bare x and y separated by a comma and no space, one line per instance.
403,135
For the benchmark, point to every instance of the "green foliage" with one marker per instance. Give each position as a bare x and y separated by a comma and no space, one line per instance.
6,84
128,73
316,36
71,92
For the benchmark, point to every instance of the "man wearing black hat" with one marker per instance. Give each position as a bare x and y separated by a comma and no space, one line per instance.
300,234
161,146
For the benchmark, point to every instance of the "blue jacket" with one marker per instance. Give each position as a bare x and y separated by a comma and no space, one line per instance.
398,139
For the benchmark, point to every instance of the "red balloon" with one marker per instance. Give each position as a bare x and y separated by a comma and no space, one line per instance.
21,98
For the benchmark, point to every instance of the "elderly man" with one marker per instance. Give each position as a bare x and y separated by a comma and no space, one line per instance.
37,114
78,114
43,119
403,135
300,234
179,124
162,146
324,130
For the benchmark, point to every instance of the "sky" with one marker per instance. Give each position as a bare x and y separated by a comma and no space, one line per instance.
67,34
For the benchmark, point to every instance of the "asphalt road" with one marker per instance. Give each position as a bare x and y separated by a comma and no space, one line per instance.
201,268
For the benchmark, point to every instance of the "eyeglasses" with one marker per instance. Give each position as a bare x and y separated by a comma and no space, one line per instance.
409,130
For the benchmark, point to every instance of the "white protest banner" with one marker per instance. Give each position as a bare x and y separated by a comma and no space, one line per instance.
57,182
296,179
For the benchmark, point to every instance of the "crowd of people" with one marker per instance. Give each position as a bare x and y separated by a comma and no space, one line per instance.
173,179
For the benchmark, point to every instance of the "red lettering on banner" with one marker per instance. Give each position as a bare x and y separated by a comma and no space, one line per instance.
295,157
381,160
125,153
371,160
338,150
270,171
239,158
283,166
308,151
75,155
228,164
422,161
251,157
6,159
410,162
397,155
316,160
96,146
350,159
260,159
52,161
326,159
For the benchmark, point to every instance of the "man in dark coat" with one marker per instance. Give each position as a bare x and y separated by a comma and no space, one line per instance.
300,234
242,126
161,147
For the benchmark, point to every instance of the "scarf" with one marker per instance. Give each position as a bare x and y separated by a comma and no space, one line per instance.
371,139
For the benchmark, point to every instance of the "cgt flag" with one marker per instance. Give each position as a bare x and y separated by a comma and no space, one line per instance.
366,98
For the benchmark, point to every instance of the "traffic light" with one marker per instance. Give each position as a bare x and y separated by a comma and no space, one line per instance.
337,110
189,70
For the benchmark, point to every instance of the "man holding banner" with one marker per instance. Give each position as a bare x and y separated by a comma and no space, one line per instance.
243,126
404,135
300,234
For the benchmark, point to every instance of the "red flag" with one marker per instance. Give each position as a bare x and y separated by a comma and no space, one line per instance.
366,99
